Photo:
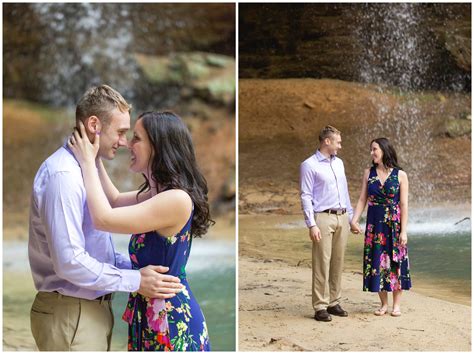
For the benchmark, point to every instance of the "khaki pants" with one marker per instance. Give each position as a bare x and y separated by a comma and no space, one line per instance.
328,259
64,323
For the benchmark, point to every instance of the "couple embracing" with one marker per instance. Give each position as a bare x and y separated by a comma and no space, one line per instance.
329,216
75,207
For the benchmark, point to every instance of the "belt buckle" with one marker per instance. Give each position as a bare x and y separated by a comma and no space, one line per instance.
339,212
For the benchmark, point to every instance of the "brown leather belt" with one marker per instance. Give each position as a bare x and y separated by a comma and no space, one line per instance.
336,212
106,297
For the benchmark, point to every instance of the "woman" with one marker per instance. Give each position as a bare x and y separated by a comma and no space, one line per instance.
170,209
385,188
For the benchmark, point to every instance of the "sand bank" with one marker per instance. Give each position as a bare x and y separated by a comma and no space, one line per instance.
275,314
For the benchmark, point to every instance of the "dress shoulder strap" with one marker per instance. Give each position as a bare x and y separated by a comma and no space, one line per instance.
395,172
372,172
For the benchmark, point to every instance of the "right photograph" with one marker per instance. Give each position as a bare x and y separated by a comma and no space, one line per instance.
354,177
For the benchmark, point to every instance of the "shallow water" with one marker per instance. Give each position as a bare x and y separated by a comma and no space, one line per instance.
440,266
442,257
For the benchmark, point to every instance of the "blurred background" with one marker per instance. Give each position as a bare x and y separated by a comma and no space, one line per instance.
158,56
395,70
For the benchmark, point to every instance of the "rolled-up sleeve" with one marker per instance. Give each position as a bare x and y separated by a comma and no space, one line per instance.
62,215
306,193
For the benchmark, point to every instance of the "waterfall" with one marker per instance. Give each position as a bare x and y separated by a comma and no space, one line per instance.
395,57
396,47
88,44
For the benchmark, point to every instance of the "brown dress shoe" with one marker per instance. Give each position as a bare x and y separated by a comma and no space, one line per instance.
337,311
322,315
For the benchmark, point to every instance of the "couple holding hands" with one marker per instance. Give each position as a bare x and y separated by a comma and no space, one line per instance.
329,216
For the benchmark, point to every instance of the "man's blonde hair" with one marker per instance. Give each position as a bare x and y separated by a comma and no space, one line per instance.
327,132
100,101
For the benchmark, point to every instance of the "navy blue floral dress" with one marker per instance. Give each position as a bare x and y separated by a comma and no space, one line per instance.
175,324
386,265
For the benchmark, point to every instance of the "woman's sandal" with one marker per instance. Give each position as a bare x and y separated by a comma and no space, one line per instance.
380,312
397,313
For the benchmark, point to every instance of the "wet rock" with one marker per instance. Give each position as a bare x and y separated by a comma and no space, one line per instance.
465,115
458,42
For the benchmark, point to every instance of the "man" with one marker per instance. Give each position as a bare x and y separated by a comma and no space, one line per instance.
75,267
327,210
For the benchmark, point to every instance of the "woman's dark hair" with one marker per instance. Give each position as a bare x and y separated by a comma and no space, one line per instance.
174,164
389,157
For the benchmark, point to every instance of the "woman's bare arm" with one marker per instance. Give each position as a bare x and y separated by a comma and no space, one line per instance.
361,203
403,178
114,196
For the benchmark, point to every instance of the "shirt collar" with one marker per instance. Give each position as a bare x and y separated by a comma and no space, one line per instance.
68,149
321,157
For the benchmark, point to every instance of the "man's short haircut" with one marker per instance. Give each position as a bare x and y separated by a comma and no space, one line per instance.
100,101
327,132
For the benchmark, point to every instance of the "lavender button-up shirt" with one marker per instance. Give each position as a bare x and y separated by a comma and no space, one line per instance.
66,253
323,186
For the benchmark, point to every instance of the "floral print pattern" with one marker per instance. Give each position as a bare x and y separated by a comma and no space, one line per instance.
175,324
386,264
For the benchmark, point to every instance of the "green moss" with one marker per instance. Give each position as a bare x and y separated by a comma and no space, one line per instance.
221,86
194,64
458,127
159,69
212,73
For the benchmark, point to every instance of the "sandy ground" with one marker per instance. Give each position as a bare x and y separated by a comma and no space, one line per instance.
275,314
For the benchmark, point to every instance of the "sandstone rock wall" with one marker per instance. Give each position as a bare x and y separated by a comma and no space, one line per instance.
336,40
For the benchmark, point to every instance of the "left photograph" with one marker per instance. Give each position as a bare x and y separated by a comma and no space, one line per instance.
119,177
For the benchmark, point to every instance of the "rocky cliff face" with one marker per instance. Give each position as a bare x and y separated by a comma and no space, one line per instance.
408,45
49,46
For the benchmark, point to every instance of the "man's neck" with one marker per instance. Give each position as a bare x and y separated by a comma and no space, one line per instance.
325,153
